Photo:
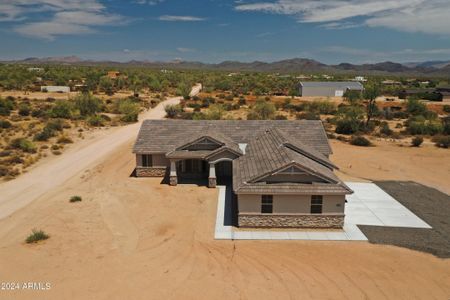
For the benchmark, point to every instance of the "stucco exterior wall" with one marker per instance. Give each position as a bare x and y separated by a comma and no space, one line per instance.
291,204
318,91
291,221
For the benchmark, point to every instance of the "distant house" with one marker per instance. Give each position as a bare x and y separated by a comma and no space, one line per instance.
445,92
113,74
55,89
391,83
279,171
360,79
328,88
35,69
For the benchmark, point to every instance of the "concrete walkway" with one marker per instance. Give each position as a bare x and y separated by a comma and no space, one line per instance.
369,205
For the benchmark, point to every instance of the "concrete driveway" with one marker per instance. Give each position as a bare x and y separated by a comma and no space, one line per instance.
369,205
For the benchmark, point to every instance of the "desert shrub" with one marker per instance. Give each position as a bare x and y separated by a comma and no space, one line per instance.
347,126
24,110
415,107
24,145
45,134
87,104
36,236
360,141
385,129
3,171
54,147
262,110
242,101
446,108
172,111
39,113
62,109
64,140
75,199
417,141
56,152
55,125
95,121
6,105
5,124
442,141
307,115
129,110
419,125
5,153
322,107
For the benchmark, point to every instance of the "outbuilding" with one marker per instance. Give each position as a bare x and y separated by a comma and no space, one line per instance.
328,88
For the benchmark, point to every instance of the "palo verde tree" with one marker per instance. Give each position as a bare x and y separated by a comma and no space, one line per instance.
371,92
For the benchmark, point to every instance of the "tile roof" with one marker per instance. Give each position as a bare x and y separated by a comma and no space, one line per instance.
162,136
270,152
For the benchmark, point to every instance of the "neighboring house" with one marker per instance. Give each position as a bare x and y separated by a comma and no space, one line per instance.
445,92
55,89
328,88
280,171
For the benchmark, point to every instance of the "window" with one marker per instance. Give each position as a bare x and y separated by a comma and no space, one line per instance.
147,160
266,204
316,204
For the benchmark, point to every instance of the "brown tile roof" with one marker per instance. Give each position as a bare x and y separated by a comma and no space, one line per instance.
270,152
162,136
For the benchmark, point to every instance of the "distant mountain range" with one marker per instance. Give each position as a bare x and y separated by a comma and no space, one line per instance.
295,65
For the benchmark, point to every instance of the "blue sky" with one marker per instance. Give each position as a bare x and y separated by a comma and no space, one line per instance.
331,31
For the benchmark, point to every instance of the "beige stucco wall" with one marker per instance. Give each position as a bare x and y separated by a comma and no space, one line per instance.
291,204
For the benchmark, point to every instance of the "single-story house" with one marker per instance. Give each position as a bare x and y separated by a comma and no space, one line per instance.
279,171
55,89
328,88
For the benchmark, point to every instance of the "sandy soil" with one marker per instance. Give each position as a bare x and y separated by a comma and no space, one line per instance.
135,238
427,165
52,172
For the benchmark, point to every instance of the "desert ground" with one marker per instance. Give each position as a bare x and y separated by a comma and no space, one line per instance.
393,160
136,238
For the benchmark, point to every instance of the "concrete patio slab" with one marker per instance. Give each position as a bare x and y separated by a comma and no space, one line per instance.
369,205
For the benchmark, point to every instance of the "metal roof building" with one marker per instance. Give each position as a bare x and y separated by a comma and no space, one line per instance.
328,88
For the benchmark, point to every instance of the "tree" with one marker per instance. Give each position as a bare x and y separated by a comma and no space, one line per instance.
352,97
87,104
371,93
262,110
106,85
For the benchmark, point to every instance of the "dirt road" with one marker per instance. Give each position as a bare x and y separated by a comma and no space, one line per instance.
54,172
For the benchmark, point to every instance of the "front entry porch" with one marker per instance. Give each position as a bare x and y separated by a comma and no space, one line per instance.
200,171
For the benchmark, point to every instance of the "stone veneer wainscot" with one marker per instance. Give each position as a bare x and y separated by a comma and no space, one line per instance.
291,221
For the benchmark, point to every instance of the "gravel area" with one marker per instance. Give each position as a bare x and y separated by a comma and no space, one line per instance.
427,203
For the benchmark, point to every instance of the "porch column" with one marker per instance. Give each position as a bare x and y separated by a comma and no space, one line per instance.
173,173
212,180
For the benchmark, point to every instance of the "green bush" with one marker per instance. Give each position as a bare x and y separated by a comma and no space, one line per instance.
24,145
360,141
24,110
95,121
308,115
87,104
417,141
347,126
44,135
130,111
6,105
385,129
172,111
442,141
64,140
419,125
446,108
75,199
62,109
36,236
5,124
262,110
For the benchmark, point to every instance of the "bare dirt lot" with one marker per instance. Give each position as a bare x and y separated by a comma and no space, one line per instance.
427,165
133,238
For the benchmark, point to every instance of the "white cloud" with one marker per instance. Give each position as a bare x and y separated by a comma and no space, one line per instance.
427,16
171,18
66,17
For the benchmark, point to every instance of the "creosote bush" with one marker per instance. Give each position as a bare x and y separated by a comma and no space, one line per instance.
417,141
36,236
442,141
360,141
75,199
